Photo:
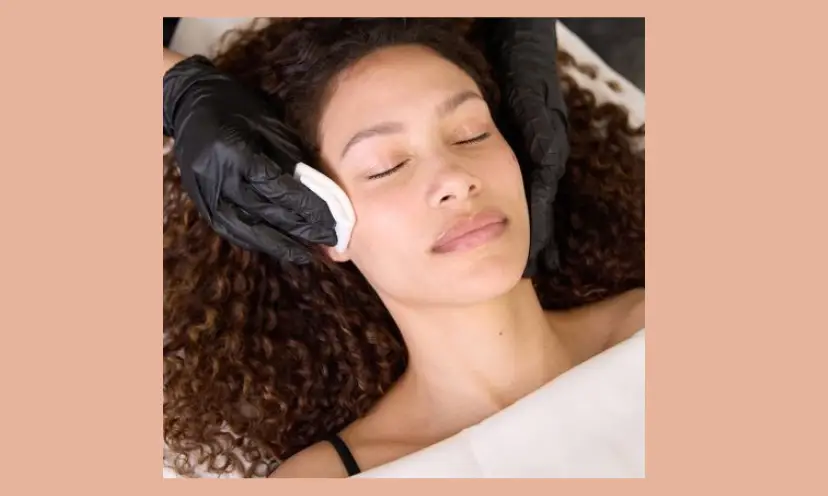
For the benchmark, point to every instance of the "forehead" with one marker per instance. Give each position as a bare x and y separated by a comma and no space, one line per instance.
391,84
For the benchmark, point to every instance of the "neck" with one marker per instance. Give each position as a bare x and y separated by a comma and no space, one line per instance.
479,358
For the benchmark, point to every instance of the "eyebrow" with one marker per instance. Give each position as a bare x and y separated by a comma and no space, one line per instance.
385,128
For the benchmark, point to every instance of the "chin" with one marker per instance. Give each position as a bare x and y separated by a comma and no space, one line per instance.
484,276
489,278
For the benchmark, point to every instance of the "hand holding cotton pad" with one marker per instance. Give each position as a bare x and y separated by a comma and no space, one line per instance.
237,157
336,199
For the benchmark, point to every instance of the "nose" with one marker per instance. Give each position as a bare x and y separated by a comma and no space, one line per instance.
453,184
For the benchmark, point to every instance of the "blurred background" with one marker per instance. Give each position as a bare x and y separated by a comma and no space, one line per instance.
619,41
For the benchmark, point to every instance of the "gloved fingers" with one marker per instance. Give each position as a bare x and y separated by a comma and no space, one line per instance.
525,51
288,193
544,133
278,142
541,210
543,246
257,237
526,43
524,55
280,216
211,184
202,193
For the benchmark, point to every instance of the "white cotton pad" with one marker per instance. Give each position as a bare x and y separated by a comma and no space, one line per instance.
335,197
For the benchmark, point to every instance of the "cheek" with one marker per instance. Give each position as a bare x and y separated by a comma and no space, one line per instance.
503,170
514,173
384,226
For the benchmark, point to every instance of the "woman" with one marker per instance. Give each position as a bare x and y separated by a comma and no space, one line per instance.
424,325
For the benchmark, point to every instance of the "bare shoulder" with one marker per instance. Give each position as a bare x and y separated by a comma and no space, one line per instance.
318,461
593,328
628,316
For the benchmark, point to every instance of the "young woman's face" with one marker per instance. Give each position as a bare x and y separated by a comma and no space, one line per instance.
410,139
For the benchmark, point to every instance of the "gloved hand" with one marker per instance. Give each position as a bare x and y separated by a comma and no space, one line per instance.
237,160
523,55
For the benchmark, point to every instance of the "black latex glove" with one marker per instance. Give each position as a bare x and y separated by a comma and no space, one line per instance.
237,160
523,54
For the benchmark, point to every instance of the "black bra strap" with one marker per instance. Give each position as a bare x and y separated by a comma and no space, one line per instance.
344,454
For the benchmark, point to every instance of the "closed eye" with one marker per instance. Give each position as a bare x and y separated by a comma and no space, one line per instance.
399,166
389,171
476,139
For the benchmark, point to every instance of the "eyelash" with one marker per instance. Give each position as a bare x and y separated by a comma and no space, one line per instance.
476,139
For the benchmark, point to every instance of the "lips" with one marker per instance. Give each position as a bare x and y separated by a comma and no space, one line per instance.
470,232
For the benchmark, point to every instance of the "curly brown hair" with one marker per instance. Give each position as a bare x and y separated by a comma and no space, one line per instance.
263,358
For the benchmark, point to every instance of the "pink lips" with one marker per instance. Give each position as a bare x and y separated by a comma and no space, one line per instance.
471,232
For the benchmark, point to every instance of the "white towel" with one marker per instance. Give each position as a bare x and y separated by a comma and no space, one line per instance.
587,423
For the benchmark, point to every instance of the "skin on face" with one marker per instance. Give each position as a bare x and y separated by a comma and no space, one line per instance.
435,156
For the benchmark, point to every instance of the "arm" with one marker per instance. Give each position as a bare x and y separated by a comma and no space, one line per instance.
170,59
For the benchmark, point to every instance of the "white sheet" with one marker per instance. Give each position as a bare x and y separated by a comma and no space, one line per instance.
588,423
